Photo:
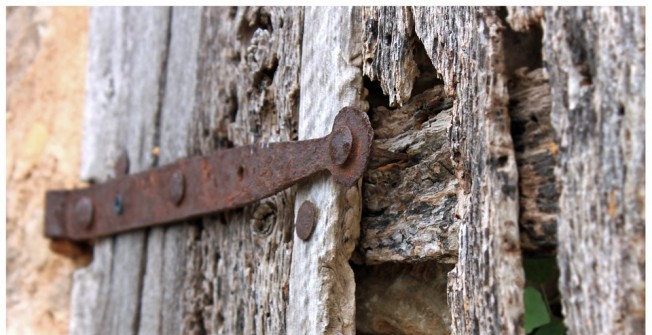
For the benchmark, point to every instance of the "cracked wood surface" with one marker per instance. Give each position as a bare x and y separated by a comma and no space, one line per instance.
222,274
322,286
480,105
595,61
127,56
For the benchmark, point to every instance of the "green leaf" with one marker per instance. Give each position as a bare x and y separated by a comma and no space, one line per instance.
536,311
539,269
555,327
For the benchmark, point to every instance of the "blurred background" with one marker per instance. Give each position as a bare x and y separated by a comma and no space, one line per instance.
46,67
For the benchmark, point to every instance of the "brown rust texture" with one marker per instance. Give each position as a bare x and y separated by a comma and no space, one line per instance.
46,57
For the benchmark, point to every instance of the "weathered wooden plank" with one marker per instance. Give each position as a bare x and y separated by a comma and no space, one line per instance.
161,308
485,288
322,287
595,59
237,263
128,48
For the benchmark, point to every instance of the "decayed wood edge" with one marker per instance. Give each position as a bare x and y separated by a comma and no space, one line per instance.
161,309
408,204
322,287
485,288
596,61
238,263
387,47
127,53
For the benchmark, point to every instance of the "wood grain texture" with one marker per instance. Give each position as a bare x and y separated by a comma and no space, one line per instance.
128,49
595,60
388,51
322,286
230,78
238,263
485,288
161,307
409,201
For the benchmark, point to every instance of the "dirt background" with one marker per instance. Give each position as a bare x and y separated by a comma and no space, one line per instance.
46,68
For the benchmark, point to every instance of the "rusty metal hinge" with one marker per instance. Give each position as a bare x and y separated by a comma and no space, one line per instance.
196,186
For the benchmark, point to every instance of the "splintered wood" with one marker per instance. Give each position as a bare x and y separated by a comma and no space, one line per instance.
499,132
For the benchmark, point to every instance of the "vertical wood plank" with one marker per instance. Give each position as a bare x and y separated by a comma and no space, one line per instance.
322,286
596,62
485,290
161,308
237,263
128,48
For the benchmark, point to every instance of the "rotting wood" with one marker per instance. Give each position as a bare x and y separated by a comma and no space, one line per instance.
487,195
227,274
595,61
536,156
234,268
409,203
388,51
247,92
485,288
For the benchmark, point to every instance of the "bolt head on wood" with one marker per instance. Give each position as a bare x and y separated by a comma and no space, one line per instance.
306,220
340,145
83,212
177,187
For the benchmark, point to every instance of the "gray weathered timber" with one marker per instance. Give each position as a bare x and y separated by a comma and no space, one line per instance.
389,51
161,309
238,263
473,108
596,62
128,47
485,288
230,78
322,286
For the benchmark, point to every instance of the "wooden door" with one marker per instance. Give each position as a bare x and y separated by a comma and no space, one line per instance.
503,134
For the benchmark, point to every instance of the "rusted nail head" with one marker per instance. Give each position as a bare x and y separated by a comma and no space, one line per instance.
84,212
306,220
177,187
340,145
